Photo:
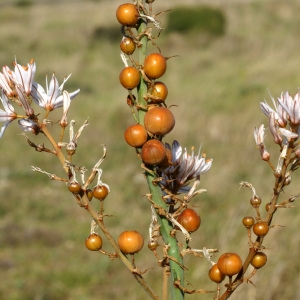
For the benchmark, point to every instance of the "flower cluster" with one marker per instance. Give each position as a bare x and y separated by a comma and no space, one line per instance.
284,119
183,169
18,87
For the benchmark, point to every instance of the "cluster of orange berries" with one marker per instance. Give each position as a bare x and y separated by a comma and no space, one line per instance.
100,192
130,242
230,264
158,120
146,135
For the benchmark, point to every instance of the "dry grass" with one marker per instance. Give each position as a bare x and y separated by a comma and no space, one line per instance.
217,85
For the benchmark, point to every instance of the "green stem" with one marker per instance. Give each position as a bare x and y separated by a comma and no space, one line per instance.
176,261
175,258
142,88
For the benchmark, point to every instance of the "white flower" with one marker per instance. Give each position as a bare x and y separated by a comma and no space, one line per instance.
24,75
288,134
184,168
24,100
29,126
5,82
66,105
273,125
7,115
284,121
291,106
279,113
52,98
259,135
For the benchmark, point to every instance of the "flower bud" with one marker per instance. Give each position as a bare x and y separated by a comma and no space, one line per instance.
265,155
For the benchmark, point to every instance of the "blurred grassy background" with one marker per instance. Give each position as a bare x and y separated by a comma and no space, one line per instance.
217,83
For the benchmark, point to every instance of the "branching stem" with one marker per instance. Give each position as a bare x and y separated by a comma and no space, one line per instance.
278,188
121,256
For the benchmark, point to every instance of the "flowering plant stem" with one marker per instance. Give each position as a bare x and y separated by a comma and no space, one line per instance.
98,218
84,202
278,188
57,149
120,255
175,258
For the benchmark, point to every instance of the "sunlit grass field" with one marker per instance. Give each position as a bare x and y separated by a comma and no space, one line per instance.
215,85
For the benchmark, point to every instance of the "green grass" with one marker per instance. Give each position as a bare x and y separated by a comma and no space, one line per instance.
217,85
196,19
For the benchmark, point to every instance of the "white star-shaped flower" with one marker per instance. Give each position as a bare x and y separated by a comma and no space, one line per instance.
52,98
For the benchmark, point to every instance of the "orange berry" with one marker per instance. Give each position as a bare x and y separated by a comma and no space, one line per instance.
215,274
130,242
230,263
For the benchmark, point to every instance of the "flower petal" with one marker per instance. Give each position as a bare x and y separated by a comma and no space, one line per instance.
288,134
3,128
